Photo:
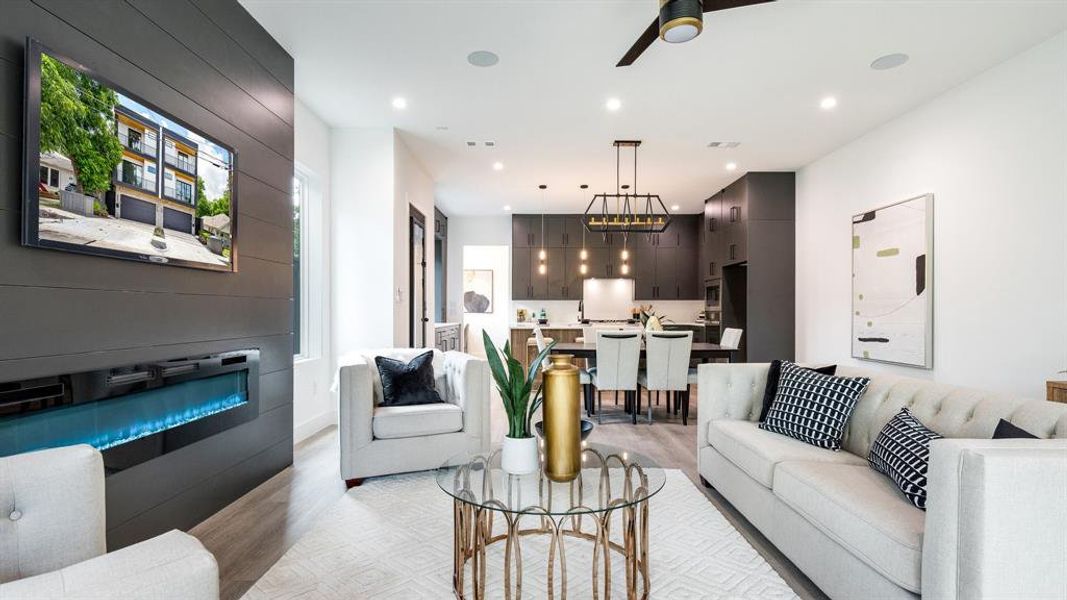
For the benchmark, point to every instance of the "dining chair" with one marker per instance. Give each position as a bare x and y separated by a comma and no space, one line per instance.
731,338
618,356
667,355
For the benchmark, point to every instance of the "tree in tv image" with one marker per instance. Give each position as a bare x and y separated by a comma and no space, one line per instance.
120,176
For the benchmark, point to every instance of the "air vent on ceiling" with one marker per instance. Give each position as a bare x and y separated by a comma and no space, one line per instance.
723,144
490,144
471,144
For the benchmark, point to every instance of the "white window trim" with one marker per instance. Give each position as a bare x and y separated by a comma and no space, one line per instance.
311,317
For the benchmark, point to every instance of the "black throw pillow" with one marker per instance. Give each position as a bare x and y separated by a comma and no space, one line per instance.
1006,430
902,451
774,374
407,384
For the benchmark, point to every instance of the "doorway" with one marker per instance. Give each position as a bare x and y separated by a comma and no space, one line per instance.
417,282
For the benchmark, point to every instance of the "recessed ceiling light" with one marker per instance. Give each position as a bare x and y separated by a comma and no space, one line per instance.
730,166
400,103
482,58
828,103
674,207
889,61
507,207
498,166
613,104
442,128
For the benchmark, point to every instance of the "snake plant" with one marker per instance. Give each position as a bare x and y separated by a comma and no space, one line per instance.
515,385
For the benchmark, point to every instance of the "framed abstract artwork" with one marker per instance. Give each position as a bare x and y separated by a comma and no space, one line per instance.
892,283
478,291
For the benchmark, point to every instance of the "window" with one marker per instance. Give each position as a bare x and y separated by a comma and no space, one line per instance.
50,176
131,173
185,191
300,193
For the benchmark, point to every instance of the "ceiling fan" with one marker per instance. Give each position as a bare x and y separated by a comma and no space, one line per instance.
679,21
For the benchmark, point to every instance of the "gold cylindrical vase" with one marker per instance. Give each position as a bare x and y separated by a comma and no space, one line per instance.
563,419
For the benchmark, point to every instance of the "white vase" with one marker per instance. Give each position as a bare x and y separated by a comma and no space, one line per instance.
519,456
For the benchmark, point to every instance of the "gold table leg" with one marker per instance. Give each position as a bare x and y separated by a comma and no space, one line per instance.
472,534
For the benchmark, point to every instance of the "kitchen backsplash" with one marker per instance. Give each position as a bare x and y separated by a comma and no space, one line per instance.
566,311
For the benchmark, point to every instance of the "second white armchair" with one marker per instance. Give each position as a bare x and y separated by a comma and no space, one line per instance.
382,440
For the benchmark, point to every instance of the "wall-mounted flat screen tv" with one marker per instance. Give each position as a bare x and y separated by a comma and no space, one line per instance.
107,173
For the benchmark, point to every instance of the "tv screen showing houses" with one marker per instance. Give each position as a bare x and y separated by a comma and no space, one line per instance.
120,178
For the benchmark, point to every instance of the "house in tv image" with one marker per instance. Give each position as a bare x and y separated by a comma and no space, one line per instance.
57,174
135,195
164,178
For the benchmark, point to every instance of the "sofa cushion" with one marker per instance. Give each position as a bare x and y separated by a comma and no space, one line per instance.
407,383
861,510
902,451
813,407
392,422
774,374
756,452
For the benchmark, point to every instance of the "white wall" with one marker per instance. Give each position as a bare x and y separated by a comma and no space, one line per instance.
473,231
375,179
362,232
313,405
993,151
482,234
412,187
498,260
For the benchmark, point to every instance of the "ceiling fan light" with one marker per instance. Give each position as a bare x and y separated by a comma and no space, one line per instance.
680,20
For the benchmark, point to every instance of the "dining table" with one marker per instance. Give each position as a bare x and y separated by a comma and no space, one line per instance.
701,351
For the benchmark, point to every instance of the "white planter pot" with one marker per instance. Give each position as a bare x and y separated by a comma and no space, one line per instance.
519,456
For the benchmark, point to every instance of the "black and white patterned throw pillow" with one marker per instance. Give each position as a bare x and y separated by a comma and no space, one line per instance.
902,451
813,407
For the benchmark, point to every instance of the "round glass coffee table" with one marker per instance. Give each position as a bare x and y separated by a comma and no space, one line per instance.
604,512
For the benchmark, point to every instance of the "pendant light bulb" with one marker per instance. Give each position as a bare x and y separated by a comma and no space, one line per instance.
625,269
625,254
584,254
542,254
542,269
583,269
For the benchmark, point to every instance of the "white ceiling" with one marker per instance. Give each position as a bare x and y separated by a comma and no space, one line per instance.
756,75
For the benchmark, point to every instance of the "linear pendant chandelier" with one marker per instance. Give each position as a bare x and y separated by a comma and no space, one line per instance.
626,211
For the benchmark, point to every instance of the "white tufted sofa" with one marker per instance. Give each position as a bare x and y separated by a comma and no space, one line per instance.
52,538
996,519
382,440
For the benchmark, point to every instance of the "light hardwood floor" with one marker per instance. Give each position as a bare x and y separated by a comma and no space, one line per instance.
250,535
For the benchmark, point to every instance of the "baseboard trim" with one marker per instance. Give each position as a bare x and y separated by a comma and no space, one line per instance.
314,425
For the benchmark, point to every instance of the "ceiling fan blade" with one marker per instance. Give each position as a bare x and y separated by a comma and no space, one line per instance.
713,5
640,45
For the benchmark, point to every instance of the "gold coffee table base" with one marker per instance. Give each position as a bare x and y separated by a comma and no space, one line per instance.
473,534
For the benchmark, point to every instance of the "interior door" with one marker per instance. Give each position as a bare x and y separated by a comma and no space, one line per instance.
417,282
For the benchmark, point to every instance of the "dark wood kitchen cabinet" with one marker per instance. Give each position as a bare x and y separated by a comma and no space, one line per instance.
748,236
665,266
521,285
714,238
526,231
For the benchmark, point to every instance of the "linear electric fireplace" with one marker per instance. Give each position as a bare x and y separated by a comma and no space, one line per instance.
131,413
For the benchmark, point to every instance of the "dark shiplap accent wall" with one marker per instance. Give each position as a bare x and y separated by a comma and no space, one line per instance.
210,64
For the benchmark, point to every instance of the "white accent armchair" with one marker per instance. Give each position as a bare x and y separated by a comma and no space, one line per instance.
52,538
382,440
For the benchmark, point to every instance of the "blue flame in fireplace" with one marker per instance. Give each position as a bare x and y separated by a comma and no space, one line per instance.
109,423
138,430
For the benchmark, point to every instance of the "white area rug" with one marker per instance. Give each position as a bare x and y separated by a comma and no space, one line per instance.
392,538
